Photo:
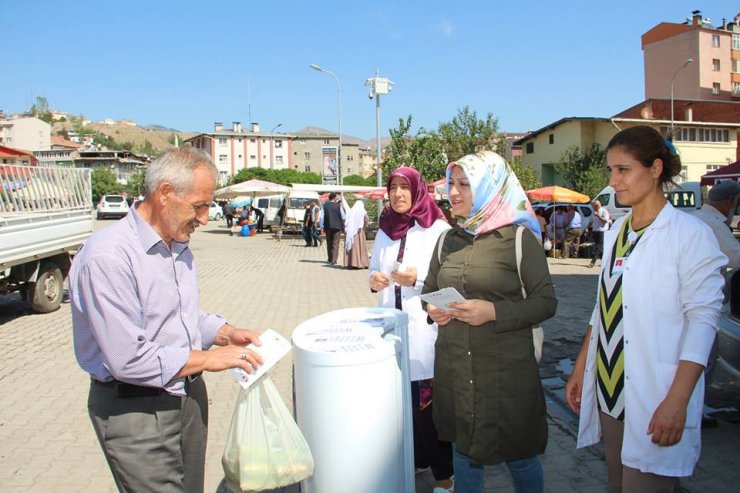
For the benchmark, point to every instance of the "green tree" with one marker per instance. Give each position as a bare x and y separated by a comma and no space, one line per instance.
584,172
423,152
147,148
527,176
467,134
40,109
136,186
104,182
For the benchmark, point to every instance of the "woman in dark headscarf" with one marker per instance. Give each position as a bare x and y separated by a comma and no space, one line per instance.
408,231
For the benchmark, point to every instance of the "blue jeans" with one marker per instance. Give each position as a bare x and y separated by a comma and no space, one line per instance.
527,474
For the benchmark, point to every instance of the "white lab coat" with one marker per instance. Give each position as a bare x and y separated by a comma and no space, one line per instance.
419,248
671,297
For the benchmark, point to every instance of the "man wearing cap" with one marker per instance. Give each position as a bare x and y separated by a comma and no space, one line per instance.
141,335
722,200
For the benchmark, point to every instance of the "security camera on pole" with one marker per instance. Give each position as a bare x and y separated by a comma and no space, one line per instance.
379,86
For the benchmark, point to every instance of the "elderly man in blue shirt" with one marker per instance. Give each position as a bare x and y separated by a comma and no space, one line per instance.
140,334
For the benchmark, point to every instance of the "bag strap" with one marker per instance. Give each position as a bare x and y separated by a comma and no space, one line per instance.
518,251
439,245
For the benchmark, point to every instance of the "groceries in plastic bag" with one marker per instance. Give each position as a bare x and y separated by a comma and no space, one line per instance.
265,449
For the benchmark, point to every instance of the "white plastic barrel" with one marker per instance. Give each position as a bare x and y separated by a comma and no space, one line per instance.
353,400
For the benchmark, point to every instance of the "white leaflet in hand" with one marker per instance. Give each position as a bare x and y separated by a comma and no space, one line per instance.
273,348
442,297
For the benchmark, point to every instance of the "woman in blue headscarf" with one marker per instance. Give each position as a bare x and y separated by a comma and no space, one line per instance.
488,397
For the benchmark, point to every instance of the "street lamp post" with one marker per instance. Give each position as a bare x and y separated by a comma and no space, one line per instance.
339,116
379,86
272,146
685,64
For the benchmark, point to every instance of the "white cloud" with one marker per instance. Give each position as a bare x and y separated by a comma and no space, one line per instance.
447,28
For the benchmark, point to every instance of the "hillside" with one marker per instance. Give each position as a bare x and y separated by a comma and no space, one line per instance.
138,136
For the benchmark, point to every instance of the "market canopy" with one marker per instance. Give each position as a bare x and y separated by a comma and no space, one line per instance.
557,194
729,172
254,187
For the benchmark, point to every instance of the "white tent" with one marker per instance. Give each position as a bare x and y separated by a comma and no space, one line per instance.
255,188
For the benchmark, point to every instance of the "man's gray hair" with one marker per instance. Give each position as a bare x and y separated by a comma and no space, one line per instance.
176,166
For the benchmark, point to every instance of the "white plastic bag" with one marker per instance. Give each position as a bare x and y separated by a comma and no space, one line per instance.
265,449
547,245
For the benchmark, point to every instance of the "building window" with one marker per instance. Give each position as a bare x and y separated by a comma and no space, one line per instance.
278,143
350,157
348,171
735,64
252,141
222,140
326,142
278,159
306,155
552,138
715,40
712,167
252,157
223,158
715,64
307,169
736,41
693,134
530,147
715,88
736,89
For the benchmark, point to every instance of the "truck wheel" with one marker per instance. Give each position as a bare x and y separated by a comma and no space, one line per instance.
48,289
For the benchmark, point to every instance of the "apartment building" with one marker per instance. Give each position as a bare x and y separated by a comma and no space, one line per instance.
26,132
238,148
62,153
313,152
123,164
714,70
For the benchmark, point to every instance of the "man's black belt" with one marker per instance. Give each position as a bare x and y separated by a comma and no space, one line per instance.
124,389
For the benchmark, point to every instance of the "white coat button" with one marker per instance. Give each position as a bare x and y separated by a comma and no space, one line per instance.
468,353
471,382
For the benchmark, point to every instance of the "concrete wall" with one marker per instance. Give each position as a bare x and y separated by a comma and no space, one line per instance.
26,134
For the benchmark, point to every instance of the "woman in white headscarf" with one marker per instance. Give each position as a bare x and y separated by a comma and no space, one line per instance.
355,243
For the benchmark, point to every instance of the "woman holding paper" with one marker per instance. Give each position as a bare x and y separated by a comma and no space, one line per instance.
488,396
408,230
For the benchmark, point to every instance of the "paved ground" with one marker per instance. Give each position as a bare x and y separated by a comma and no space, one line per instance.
47,443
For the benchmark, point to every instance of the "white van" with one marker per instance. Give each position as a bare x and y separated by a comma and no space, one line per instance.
270,205
686,196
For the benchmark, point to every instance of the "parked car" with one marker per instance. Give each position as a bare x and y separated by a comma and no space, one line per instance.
686,196
215,212
728,339
112,206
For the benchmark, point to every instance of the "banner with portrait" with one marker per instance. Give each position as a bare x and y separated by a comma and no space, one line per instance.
330,164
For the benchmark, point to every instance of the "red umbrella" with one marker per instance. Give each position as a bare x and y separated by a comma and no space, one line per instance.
373,195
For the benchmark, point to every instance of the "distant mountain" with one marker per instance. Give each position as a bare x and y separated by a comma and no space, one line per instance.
160,128
384,141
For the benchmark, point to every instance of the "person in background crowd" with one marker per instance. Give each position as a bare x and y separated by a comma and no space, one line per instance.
559,220
409,227
315,218
723,198
140,334
307,224
573,233
355,242
598,223
333,225
488,399
638,380
259,217
229,214
542,221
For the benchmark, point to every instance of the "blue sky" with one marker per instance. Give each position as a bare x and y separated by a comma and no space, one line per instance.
188,64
